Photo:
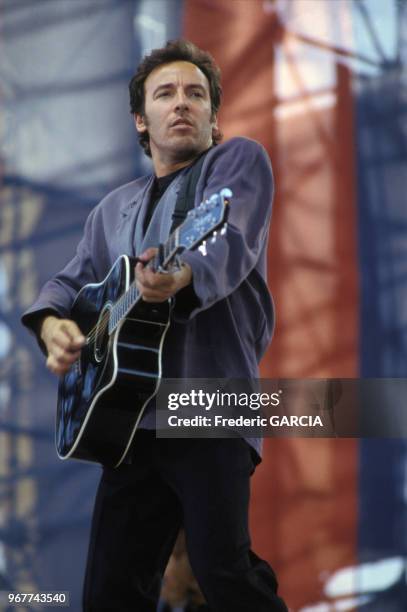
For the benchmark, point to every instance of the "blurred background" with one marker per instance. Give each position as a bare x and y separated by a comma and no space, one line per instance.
322,84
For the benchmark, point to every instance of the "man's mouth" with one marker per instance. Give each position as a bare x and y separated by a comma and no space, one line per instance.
181,123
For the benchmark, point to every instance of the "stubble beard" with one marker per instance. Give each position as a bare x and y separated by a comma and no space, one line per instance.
183,148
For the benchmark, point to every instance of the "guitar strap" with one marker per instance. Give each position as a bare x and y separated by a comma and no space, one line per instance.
186,195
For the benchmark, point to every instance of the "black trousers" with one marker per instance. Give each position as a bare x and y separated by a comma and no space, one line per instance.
202,484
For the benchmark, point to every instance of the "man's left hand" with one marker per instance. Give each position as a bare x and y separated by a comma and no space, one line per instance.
158,287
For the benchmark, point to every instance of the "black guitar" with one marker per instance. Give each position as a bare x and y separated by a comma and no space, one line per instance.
102,397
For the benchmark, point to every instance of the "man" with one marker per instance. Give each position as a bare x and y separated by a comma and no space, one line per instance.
221,324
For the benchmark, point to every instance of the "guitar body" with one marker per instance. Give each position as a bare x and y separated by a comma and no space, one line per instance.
102,397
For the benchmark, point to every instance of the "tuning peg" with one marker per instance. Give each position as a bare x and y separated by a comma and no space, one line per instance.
226,193
202,249
223,230
213,239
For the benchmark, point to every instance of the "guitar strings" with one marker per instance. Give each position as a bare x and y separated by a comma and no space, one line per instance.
104,321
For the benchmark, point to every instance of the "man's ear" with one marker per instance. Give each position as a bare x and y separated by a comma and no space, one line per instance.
139,123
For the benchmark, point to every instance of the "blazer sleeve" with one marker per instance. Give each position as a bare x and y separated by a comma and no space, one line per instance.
244,166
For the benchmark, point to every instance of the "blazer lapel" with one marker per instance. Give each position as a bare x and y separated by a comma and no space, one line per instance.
129,227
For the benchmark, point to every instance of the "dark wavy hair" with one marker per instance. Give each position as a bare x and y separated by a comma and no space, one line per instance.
175,51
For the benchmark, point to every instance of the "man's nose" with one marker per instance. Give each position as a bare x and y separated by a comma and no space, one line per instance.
181,101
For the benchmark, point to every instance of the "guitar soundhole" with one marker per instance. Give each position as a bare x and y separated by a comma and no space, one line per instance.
102,334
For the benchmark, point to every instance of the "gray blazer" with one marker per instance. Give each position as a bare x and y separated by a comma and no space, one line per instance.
223,324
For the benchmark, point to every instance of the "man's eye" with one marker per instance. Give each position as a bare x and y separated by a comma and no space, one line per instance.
163,93
197,94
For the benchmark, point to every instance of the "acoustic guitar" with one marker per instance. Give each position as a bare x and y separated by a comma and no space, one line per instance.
102,397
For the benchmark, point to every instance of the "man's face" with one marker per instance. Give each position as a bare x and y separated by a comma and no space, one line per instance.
177,111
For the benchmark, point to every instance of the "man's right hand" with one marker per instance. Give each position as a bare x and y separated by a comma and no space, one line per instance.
63,340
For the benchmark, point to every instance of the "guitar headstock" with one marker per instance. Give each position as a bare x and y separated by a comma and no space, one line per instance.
205,222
